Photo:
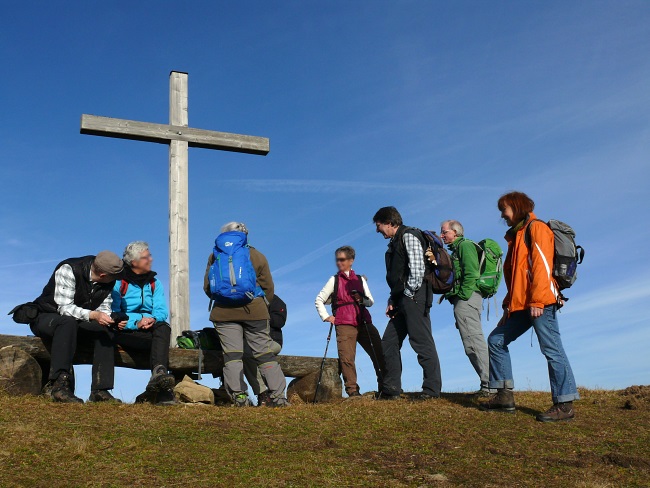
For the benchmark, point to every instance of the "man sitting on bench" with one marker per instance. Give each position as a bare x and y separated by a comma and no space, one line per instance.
77,298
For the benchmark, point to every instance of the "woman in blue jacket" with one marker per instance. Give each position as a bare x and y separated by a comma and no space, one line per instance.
140,295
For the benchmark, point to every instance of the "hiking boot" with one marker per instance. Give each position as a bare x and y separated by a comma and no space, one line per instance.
242,400
264,399
280,403
386,396
102,396
423,397
161,380
354,394
166,398
502,401
557,413
62,390
146,397
47,389
482,393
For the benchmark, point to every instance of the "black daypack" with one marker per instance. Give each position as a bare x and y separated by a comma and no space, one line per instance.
25,313
439,270
567,255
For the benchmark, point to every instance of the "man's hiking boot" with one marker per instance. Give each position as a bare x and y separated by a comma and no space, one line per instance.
423,397
242,400
502,401
353,394
166,398
146,397
264,399
102,396
482,393
62,390
161,380
386,396
557,413
279,403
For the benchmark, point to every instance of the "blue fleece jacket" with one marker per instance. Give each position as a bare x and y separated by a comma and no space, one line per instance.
140,302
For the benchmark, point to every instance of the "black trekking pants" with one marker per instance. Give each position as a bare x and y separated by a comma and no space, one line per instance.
412,320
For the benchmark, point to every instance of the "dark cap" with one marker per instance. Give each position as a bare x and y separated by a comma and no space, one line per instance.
108,262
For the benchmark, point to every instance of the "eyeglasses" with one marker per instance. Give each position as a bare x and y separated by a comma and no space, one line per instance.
340,260
443,232
146,258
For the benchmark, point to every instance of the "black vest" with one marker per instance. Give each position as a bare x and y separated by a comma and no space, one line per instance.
397,261
87,295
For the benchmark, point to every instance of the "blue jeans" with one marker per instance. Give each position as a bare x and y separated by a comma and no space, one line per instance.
563,384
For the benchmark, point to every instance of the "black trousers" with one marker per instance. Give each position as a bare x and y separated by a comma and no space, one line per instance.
412,319
60,334
155,339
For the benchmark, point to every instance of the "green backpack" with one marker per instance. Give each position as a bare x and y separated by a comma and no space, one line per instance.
490,266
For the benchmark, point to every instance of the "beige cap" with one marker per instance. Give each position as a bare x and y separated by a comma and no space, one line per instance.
108,262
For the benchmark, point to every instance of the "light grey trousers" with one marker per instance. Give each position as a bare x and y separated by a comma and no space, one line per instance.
256,333
251,370
468,322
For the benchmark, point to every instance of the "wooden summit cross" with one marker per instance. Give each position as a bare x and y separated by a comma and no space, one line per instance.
179,137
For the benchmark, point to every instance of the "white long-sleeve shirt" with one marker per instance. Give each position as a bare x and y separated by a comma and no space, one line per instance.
325,297
64,291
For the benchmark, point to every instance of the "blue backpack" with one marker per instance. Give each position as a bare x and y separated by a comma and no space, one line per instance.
233,281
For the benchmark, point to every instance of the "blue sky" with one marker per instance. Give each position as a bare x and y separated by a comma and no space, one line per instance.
434,107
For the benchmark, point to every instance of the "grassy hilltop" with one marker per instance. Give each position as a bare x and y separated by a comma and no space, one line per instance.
360,442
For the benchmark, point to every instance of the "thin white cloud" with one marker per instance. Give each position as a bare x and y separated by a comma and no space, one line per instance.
334,186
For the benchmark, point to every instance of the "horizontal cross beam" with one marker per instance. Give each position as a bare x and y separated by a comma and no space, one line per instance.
163,133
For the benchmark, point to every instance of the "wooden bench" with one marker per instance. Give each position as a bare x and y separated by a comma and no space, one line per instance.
181,362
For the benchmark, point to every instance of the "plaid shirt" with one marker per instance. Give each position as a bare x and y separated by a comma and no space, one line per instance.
64,290
416,264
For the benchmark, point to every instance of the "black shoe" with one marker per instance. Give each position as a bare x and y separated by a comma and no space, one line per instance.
423,397
102,396
386,396
165,398
161,380
264,399
502,401
354,394
62,391
146,397
557,413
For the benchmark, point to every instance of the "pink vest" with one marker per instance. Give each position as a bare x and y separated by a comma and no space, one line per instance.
347,311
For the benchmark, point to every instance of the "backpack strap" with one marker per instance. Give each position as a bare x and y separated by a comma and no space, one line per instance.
124,285
335,295
527,236
152,284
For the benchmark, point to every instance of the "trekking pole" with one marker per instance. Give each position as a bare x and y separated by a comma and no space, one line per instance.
322,364
380,373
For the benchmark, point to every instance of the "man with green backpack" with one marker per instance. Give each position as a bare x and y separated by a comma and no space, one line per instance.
477,274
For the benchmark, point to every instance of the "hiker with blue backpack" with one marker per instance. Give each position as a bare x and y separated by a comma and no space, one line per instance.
238,281
540,262
139,298
466,296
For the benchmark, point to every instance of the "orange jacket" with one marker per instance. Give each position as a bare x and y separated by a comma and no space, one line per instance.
528,275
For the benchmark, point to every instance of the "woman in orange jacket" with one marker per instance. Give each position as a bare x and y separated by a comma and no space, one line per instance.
532,301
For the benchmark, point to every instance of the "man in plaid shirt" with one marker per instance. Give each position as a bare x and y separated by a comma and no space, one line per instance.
408,308
77,298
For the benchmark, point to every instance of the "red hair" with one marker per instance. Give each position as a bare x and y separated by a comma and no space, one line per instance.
520,203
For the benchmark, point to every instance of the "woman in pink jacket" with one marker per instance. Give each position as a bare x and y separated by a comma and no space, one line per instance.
349,295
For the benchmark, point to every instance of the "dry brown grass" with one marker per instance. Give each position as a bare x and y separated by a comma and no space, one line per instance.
446,442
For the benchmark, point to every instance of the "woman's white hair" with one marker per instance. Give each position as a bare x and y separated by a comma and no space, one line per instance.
133,251
235,226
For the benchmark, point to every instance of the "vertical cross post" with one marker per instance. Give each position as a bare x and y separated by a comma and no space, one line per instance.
179,262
